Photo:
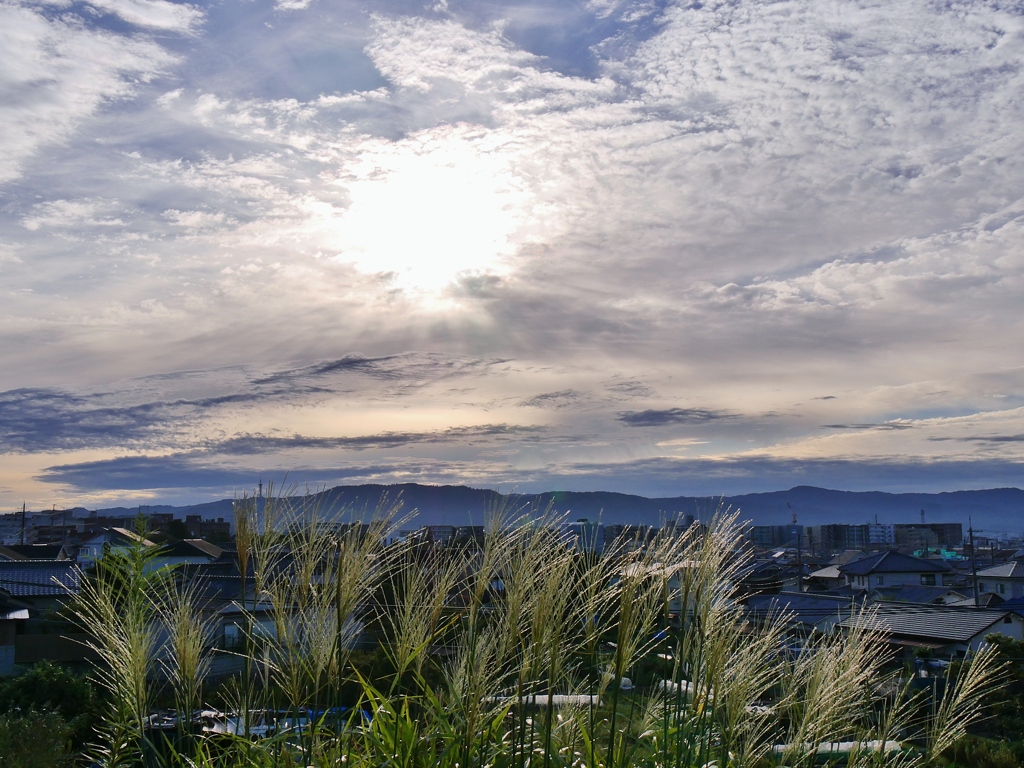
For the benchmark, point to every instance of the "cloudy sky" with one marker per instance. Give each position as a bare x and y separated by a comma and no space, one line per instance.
639,245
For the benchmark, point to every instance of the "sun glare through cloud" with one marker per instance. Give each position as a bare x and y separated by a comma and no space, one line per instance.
427,210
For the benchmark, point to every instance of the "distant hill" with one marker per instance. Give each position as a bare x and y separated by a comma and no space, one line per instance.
996,510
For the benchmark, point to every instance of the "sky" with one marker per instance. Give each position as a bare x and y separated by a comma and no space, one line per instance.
692,248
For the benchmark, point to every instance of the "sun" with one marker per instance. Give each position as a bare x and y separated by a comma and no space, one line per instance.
429,209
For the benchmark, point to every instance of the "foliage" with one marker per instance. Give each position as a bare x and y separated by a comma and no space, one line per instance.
47,687
975,752
1008,706
34,740
177,530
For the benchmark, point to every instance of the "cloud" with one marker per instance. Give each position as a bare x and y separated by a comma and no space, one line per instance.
468,436
660,418
565,398
179,409
996,439
45,420
378,368
55,72
649,477
135,473
154,14
884,425
65,214
39,420
629,388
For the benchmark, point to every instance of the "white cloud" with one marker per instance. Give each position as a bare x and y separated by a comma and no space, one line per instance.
154,14
66,214
196,220
55,73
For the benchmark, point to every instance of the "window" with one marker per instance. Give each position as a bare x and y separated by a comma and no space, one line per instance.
1008,620
880,581
981,586
1002,589
928,579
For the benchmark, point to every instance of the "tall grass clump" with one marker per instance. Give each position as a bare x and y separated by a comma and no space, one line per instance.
521,650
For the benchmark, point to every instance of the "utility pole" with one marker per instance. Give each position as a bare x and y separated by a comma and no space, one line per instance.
974,564
23,523
799,553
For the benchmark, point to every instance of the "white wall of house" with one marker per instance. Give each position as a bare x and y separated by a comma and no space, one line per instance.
898,579
1005,588
1012,626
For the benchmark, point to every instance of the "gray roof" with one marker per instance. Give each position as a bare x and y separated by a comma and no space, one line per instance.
985,600
912,593
26,578
893,562
828,572
848,556
942,623
804,607
1014,569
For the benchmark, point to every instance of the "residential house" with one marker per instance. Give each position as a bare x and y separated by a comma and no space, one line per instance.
988,600
913,593
771,576
945,630
806,613
891,569
33,552
830,577
1005,580
186,552
34,588
13,615
108,540
43,584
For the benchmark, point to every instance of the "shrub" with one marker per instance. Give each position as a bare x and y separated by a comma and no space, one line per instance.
34,740
47,687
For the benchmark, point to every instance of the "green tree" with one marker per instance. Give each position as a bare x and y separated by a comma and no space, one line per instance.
34,740
1008,708
49,688
177,530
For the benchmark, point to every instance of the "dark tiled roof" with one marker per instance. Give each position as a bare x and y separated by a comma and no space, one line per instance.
1013,604
191,548
28,578
32,551
893,562
806,607
942,623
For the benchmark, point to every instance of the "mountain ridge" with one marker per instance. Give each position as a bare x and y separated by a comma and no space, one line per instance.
992,510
